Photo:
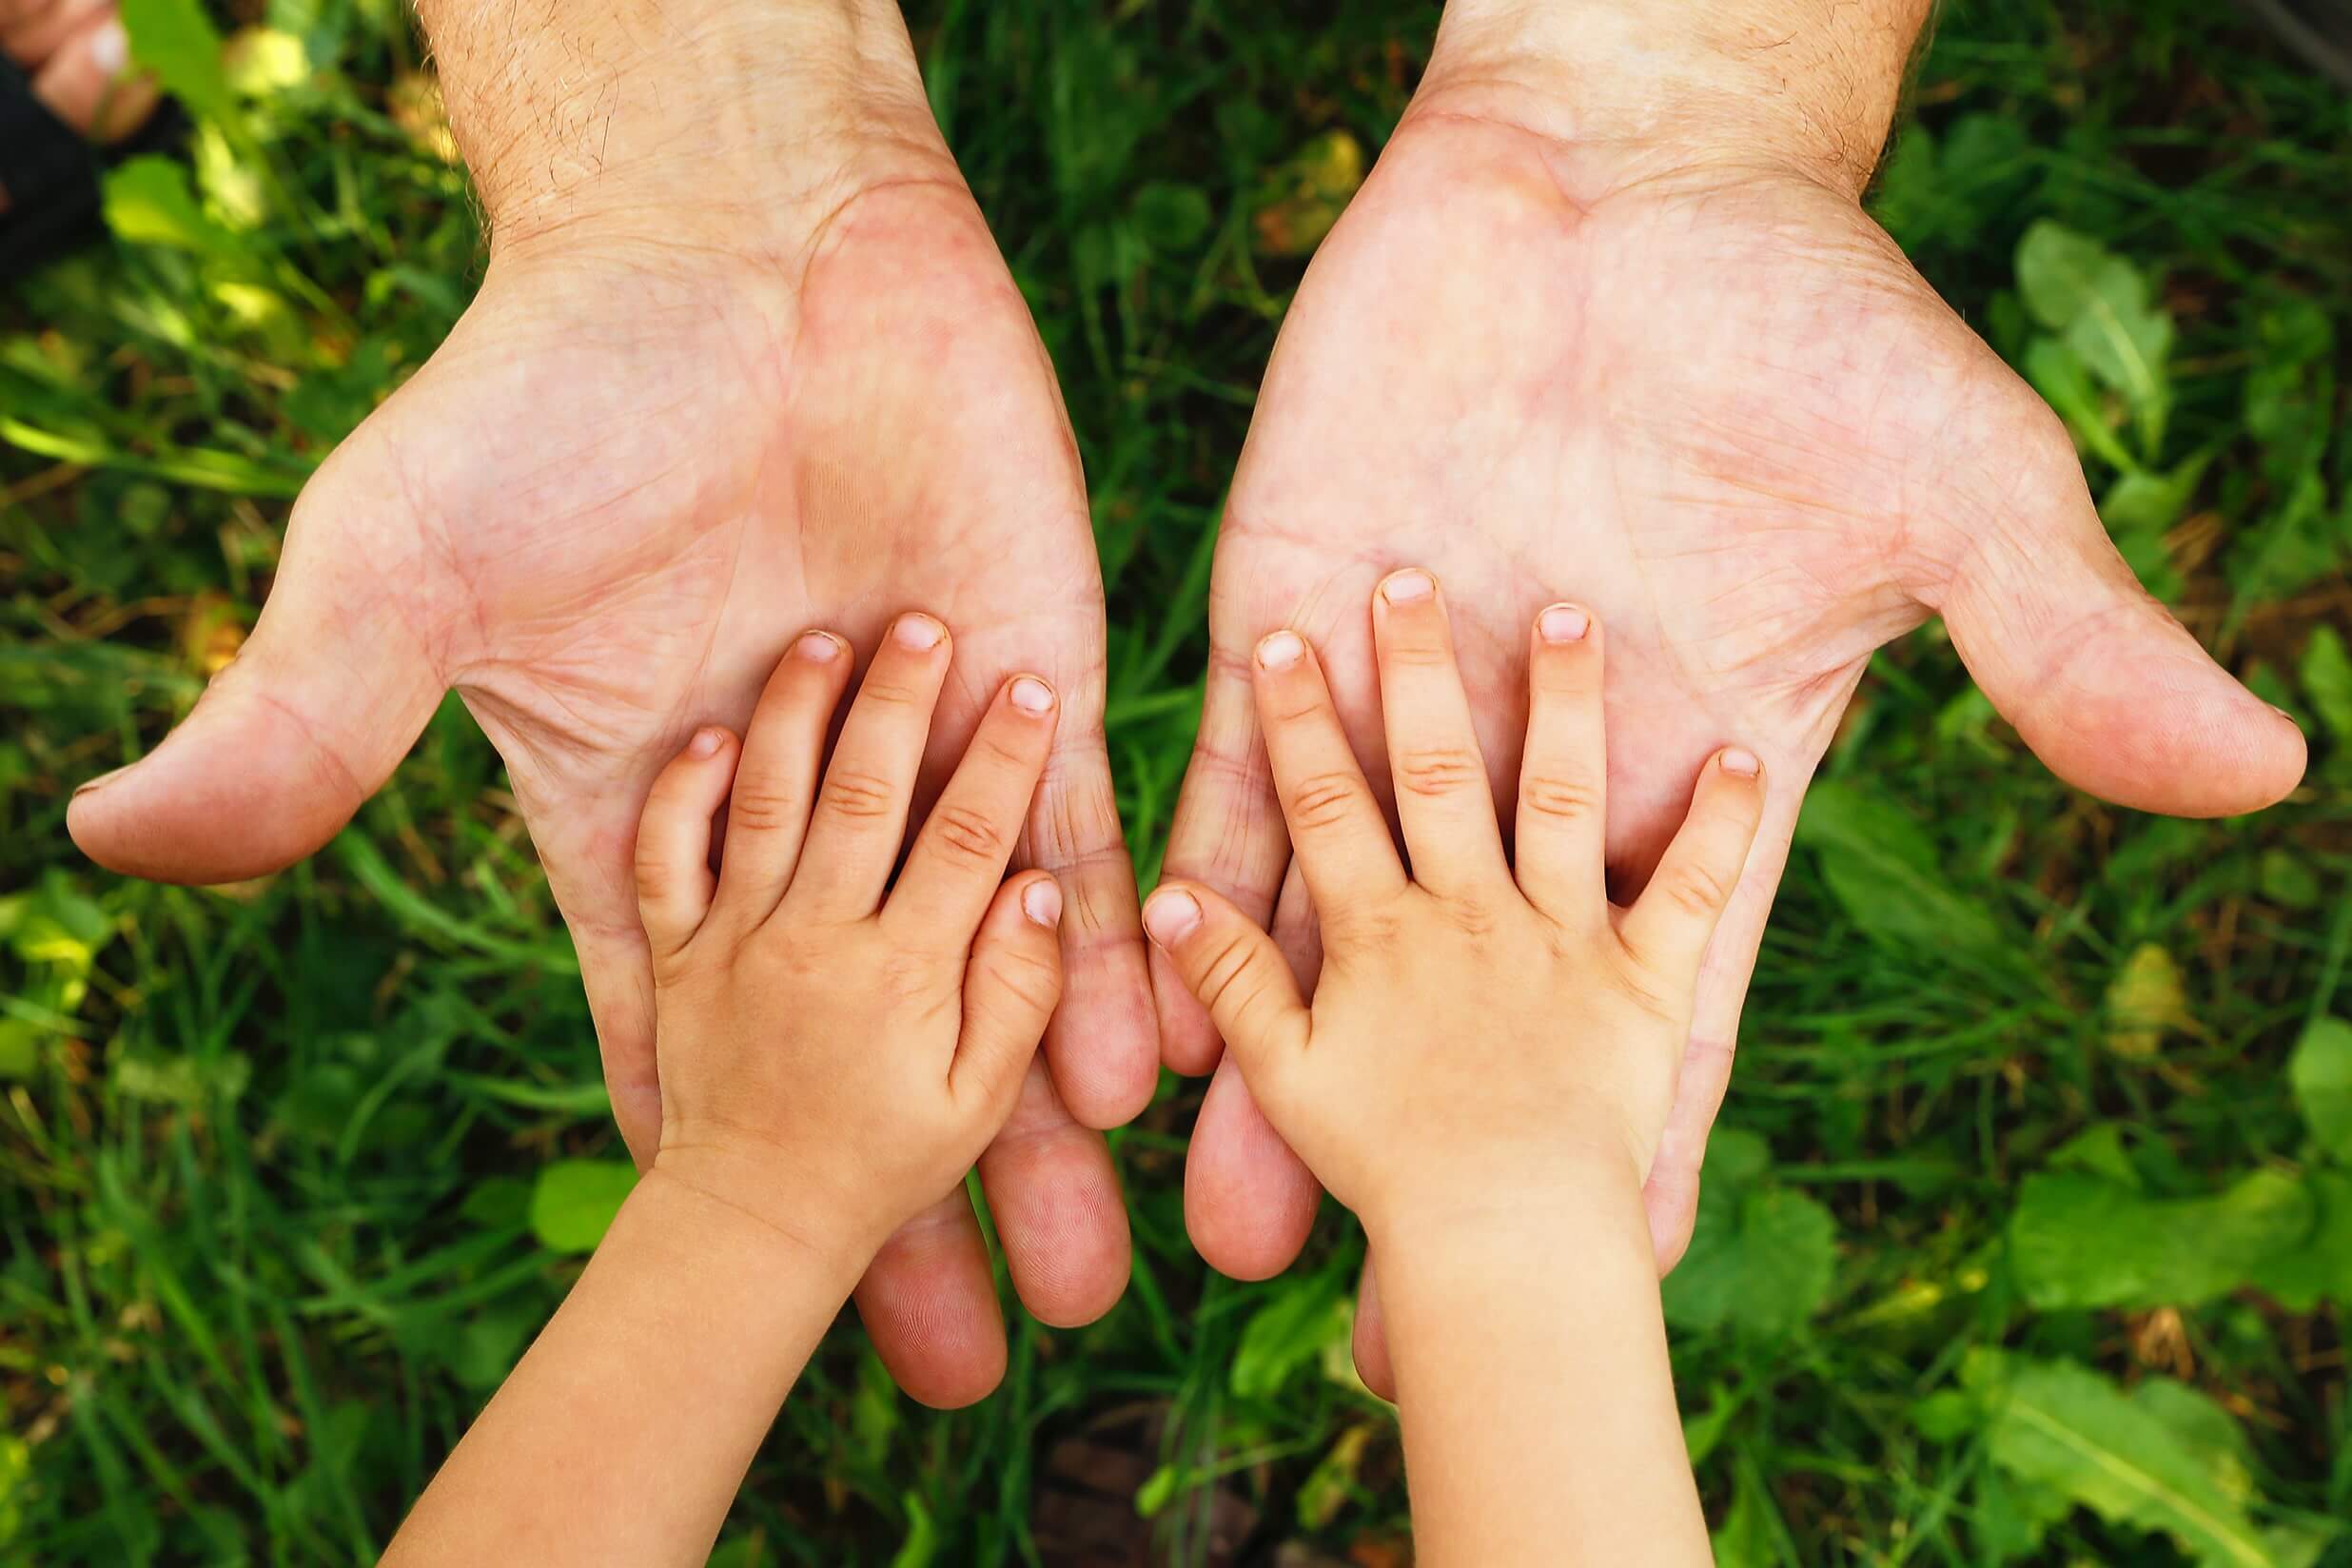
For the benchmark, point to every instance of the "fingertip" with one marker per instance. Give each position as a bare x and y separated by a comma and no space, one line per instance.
1563,625
1030,696
1280,651
918,632
1170,914
1406,586
1041,901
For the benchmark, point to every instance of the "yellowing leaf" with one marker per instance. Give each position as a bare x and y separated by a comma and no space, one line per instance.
1304,196
2146,1002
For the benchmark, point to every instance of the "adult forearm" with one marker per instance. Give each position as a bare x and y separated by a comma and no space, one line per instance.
1809,84
706,113
1535,1392
624,1434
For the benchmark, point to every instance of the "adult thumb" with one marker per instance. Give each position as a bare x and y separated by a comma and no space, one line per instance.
306,722
2109,690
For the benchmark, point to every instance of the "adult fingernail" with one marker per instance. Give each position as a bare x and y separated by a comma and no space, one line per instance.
1738,760
1032,695
1409,586
707,741
110,47
1170,914
1280,650
918,632
818,647
112,774
2283,713
1564,623
1042,903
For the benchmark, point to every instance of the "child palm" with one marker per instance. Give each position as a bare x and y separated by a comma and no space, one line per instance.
1486,1026
836,1047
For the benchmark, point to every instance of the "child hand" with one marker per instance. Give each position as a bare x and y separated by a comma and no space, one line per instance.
835,1049
1483,1035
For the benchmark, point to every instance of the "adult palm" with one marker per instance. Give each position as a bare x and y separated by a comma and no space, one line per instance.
633,474
1717,405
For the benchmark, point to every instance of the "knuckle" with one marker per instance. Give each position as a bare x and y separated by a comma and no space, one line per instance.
1696,890
1228,976
1031,979
965,835
1438,772
1559,797
858,796
1468,915
763,810
1414,654
890,694
1322,800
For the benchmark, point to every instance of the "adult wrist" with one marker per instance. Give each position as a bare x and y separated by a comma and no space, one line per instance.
696,124
1806,88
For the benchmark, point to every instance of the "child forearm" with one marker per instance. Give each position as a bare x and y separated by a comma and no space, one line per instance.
626,1430
1536,1400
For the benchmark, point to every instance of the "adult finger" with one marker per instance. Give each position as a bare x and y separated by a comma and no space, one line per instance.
929,1304
1059,1214
1227,836
2107,687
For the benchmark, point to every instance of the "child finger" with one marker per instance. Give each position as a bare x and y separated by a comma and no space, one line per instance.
674,880
861,809
1445,802
1670,924
775,784
1235,970
1012,982
1560,840
1336,832
958,861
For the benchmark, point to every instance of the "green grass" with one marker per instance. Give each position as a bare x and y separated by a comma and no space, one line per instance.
1981,1277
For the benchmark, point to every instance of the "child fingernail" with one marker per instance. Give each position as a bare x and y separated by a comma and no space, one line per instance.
818,647
1042,903
918,632
1738,760
89,784
1564,623
1280,650
706,743
1409,586
1032,695
1170,914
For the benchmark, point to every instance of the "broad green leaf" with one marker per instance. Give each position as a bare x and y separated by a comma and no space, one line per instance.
148,200
1172,217
2078,1239
2326,675
2145,1461
1289,1332
2151,502
573,1202
2320,1072
178,41
2100,306
1761,1258
1884,871
2059,374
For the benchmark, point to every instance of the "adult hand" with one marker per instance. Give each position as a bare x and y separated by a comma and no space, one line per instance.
1607,324
745,360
